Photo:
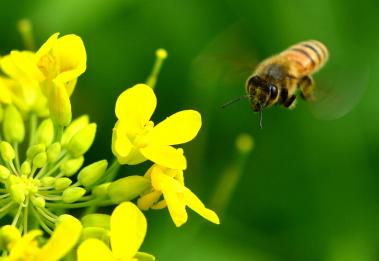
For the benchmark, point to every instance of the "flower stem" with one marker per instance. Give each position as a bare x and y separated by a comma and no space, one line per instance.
17,216
33,127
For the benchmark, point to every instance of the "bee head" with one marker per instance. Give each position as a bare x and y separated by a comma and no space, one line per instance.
260,91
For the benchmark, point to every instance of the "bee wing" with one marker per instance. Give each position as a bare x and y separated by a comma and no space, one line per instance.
339,91
223,65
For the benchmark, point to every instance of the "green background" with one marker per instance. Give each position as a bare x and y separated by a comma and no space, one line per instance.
310,188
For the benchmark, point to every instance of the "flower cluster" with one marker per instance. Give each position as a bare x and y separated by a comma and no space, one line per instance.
42,155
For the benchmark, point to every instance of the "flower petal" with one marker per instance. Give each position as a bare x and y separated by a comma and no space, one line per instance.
179,128
63,239
70,53
128,229
173,195
165,155
136,105
47,46
123,149
193,202
94,249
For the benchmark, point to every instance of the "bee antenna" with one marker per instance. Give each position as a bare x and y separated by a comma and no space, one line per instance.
234,101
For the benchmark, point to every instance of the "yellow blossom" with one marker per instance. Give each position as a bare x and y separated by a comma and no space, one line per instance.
5,93
136,139
170,183
127,231
63,239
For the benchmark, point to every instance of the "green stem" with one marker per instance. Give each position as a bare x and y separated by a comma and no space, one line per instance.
58,132
41,222
58,163
17,159
33,128
111,171
7,206
26,210
81,204
46,215
15,219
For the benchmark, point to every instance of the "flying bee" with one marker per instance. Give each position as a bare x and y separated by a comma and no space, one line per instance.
278,79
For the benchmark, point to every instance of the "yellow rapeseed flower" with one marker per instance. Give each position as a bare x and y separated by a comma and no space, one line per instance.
136,139
170,183
127,231
63,239
5,93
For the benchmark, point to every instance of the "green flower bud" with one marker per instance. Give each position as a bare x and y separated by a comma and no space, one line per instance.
18,192
90,174
9,234
47,181
40,160
142,256
34,150
4,172
73,128
59,105
62,183
7,152
128,188
95,232
73,194
39,202
45,132
96,220
25,168
53,152
101,190
13,125
71,166
82,140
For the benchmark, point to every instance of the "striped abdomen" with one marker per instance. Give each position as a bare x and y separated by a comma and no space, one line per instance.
308,57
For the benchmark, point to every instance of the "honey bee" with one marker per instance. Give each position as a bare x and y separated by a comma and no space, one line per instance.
278,79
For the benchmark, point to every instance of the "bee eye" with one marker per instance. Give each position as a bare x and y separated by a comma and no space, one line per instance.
273,91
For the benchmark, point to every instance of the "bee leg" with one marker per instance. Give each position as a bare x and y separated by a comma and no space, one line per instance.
307,87
290,103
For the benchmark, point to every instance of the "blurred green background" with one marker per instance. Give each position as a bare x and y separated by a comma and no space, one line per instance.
310,188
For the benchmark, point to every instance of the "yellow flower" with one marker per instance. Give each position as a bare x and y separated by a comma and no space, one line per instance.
63,239
170,183
62,61
5,93
135,139
127,231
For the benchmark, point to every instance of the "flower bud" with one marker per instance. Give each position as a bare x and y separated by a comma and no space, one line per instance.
96,220
7,152
47,181
38,202
13,125
90,174
59,105
62,183
71,166
144,256
45,132
95,232
128,188
25,168
4,172
75,126
73,194
18,192
53,152
34,150
40,160
82,140
101,190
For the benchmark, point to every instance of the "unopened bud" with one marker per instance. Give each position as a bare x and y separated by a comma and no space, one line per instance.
101,190
95,232
7,152
62,183
45,132
59,105
47,181
4,172
128,188
71,166
13,125
18,192
96,220
75,126
40,160
90,174
25,168
73,194
39,202
34,150
53,152
82,140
